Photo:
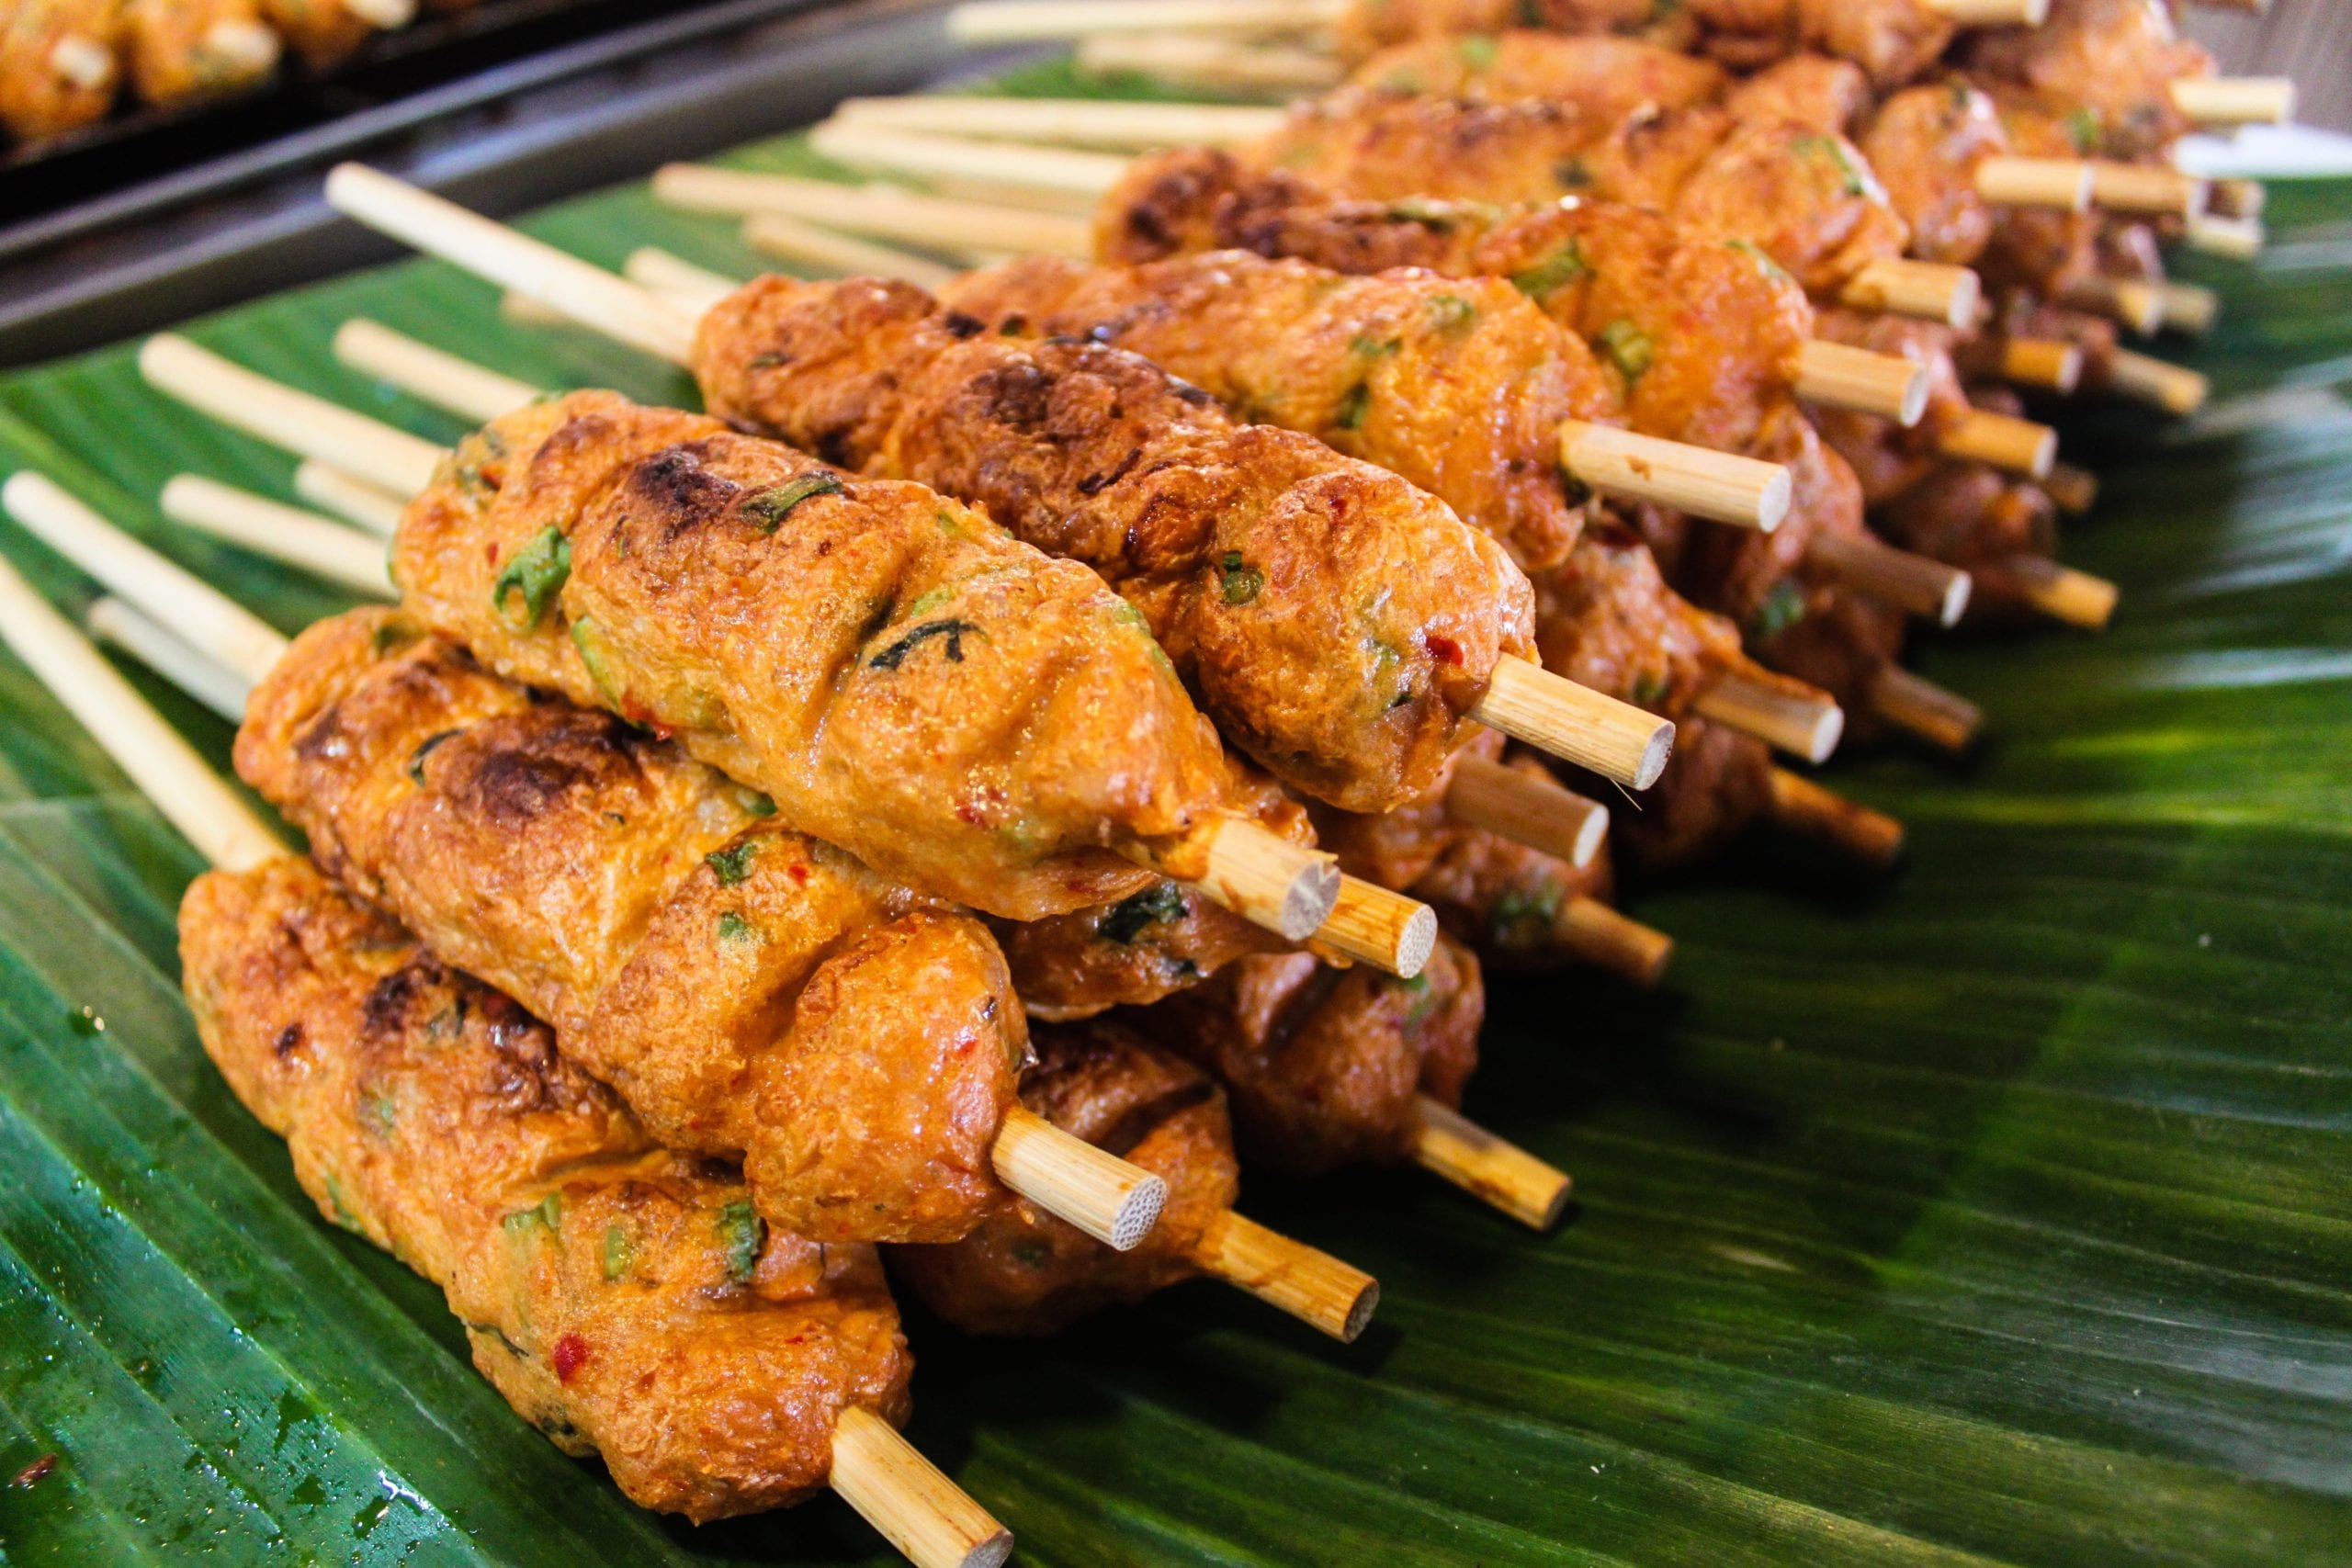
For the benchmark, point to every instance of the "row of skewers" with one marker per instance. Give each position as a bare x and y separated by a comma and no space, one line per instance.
971,671
64,65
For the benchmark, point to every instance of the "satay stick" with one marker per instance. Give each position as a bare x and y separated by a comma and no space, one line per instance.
1079,122
83,62
237,51
1608,938
2073,487
1901,577
929,1519
919,1510
1718,485
881,212
1928,291
2063,593
2058,184
2002,441
2239,239
394,459
2145,188
1527,807
1918,706
123,624
1797,804
2176,389
1837,375
811,245
1575,723
2134,302
1108,1198
1008,21
1784,714
1015,166
385,16
402,362
1991,13
2188,307
1484,1166
2221,103
354,499
2046,362
1206,60
1386,929
315,543
1309,1284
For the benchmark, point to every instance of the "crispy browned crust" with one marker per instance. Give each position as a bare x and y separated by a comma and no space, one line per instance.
906,681
1334,620
622,1297
1024,1272
1321,1065
723,973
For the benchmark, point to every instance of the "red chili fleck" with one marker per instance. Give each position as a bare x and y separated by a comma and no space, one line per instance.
1444,650
968,813
570,1354
36,1473
490,552
799,875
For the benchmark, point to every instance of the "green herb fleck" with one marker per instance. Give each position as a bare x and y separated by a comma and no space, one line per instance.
618,1253
1564,265
754,803
425,749
1353,407
1830,151
344,1215
1131,916
768,508
449,1022
392,636
1628,347
2083,129
1517,908
1424,999
1239,582
1650,689
1363,345
733,864
734,929
741,1233
1476,50
952,631
536,573
546,1214
763,361
1764,263
1031,1253
376,1108
588,637
1783,608
1452,315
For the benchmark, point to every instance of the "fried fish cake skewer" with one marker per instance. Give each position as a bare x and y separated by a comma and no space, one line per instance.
743,986
179,50
1271,569
618,1295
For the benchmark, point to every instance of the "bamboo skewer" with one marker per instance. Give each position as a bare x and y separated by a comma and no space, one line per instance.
1527,808
879,212
1311,1285
125,625
1209,60
2175,388
394,459
1918,706
400,362
1797,804
2221,103
1479,1163
1388,930
2146,187
2136,304
1992,13
1928,291
1109,1198
1839,377
289,533
355,500
2188,307
875,1470
1718,485
1608,938
1010,21
2075,489
1807,724
812,245
2050,363
2236,198
1909,582
2061,185
2004,441
2239,239
2076,598
1076,122
1575,723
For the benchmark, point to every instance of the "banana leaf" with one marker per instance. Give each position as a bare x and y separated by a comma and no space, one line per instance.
2000,1211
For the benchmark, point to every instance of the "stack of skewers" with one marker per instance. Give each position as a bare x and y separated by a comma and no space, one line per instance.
65,63
1050,736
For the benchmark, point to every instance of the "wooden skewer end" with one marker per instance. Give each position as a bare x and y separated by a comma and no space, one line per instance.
928,1518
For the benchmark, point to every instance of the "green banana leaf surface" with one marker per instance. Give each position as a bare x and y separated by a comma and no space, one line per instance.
1998,1211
